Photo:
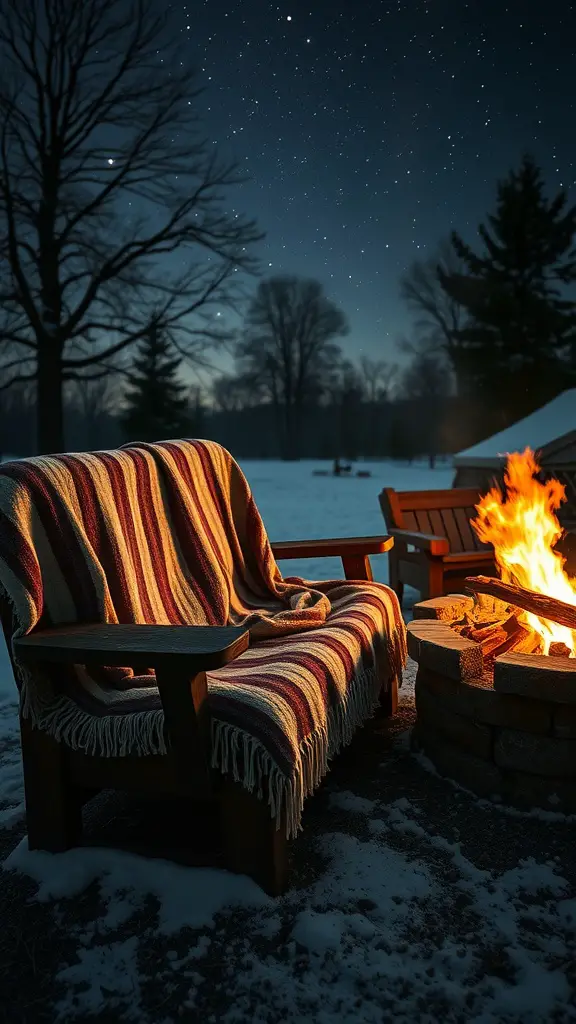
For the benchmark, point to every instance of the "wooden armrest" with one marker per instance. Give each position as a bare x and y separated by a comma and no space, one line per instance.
426,541
193,648
180,655
341,546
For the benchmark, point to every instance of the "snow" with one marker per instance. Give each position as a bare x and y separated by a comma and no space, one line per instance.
296,505
184,898
377,929
395,922
552,421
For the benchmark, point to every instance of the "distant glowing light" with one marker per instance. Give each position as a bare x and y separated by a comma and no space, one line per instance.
110,160
289,17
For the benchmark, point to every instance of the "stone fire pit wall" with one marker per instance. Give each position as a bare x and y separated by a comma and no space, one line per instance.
510,735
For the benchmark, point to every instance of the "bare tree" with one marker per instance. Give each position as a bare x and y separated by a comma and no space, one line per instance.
426,377
439,317
232,393
103,174
288,348
378,378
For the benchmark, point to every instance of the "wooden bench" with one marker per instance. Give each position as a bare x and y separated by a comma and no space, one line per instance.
435,546
59,779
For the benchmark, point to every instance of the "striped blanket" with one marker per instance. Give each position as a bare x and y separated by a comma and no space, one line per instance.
170,533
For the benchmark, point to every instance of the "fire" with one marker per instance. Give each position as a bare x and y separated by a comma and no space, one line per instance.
522,526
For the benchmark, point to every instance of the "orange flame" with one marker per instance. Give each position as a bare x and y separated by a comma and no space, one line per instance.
523,528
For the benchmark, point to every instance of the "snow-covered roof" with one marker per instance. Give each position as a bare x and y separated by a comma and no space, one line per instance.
550,423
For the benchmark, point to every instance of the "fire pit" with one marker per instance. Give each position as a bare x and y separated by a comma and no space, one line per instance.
496,682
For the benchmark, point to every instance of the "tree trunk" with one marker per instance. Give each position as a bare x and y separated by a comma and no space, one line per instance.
290,432
49,401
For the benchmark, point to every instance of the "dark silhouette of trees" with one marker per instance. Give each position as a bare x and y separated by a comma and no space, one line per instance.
288,349
95,400
427,380
426,377
102,174
158,404
345,394
232,393
517,344
439,315
378,378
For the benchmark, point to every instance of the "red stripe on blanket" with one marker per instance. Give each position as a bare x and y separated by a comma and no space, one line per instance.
153,536
62,537
122,501
191,548
103,542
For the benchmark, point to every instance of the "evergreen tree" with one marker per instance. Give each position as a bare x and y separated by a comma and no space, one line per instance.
157,404
518,341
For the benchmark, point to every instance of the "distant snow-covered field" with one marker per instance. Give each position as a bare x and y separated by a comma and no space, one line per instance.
296,505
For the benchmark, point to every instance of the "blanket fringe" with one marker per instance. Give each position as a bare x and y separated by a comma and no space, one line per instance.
234,751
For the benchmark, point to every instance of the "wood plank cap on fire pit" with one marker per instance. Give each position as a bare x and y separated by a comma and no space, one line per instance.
435,646
538,676
446,609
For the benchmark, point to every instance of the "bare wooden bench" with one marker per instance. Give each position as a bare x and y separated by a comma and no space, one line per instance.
435,546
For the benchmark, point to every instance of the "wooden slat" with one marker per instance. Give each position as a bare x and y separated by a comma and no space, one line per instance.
409,522
423,520
451,531
465,530
480,545
437,523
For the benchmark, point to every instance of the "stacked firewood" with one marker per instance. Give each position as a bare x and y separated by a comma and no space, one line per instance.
496,623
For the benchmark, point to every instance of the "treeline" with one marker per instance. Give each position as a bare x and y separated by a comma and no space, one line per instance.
399,428
494,337
502,314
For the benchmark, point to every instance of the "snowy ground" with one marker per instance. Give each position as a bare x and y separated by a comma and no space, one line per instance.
412,901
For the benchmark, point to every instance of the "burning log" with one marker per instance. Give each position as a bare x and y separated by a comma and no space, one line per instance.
559,650
518,597
499,637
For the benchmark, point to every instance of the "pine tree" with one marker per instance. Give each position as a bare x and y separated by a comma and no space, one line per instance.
519,339
157,406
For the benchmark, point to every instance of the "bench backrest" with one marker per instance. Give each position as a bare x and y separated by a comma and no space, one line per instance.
148,533
443,513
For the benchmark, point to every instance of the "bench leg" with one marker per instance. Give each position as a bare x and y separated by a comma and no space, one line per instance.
435,579
389,699
53,805
253,845
393,575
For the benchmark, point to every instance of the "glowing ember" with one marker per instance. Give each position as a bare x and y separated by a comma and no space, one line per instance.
523,528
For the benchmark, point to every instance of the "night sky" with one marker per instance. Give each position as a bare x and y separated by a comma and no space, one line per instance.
370,130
